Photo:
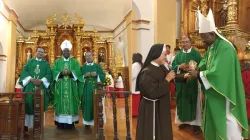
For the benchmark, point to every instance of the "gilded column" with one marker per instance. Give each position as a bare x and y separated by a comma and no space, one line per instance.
110,49
95,50
78,49
20,59
52,50
232,14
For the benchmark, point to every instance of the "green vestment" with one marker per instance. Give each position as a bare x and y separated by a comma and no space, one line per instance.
186,93
66,91
37,70
221,68
89,87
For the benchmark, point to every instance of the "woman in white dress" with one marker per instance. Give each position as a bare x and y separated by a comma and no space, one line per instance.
136,67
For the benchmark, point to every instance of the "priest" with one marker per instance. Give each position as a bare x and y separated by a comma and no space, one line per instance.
36,73
154,117
188,109
67,88
93,75
225,108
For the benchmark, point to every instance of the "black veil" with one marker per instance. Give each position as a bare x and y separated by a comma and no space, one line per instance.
154,53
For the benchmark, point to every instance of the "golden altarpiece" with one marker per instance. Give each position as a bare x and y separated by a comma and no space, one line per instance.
231,18
82,42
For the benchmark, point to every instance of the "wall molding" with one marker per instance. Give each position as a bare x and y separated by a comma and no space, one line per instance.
140,29
141,21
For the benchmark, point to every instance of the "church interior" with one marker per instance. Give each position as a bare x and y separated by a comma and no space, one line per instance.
113,31
160,21
100,27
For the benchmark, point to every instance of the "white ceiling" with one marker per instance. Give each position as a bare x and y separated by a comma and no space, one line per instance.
104,14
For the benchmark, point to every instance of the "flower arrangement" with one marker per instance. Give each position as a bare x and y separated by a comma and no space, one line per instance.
247,50
107,81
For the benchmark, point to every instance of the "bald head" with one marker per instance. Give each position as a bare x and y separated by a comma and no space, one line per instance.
186,43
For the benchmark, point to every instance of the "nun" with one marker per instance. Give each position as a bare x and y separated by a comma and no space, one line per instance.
154,117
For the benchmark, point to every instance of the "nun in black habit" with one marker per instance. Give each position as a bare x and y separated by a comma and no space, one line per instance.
154,118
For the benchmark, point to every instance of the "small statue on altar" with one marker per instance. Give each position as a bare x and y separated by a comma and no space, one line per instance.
84,53
223,12
28,55
101,57
204,7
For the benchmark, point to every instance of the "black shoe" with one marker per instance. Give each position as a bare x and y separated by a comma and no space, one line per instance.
196,130
182,126
87,126
26,129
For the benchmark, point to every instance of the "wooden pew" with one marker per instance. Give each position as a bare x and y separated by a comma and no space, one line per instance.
12,116
98,113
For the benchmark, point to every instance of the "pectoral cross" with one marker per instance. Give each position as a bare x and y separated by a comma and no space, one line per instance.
37,70
66,67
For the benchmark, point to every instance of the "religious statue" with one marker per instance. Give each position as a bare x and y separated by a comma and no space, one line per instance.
192,64
84,53
79,19
121,47
223,12
101,57
65,19
51,19
28,55
204,7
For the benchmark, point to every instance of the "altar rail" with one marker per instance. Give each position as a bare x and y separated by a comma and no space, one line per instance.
98,110
14,118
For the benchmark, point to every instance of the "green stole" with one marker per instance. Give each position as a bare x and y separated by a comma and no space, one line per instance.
186,93
221,68
37,70
89,87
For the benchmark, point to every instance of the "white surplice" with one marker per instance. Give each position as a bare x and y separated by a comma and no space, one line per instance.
136,67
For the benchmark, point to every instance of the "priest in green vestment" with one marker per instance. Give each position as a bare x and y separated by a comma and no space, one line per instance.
67,87
188,109
93,74
224,115
36,72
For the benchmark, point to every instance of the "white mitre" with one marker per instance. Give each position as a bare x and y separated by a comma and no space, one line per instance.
207,24
66,44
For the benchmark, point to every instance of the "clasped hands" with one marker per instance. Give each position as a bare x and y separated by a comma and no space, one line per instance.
92,74
36,82
66,73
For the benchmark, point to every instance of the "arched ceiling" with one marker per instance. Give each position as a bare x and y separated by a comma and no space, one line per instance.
104,14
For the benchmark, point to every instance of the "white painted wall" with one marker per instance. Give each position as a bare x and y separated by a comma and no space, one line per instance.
4,26
145,11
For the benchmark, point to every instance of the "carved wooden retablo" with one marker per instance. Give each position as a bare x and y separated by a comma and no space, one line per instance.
55,34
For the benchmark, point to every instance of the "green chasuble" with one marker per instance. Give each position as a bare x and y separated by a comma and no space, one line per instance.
186,93
66,91
37,70
221,68
89,86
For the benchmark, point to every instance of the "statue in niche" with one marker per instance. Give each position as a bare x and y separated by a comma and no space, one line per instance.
223,12
84,53
28,55
101,56
121,47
